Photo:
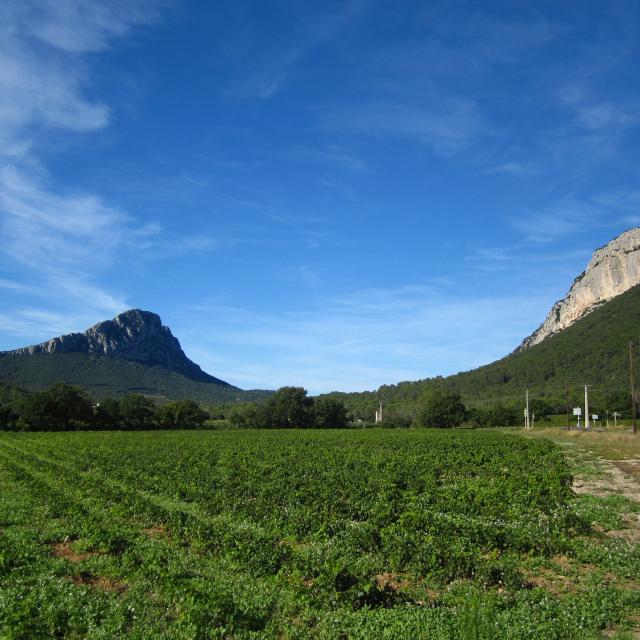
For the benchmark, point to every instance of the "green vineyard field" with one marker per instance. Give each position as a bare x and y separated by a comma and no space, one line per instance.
303,534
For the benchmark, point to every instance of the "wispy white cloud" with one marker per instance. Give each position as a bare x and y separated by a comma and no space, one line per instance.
272,66
555,222
61,242
29,322
77,26
335,158
362,340
33,325
574,216
596,126
43,229
446,125
67,240
12,285
515,168
42,72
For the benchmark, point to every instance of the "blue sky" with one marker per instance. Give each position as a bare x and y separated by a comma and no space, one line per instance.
335,195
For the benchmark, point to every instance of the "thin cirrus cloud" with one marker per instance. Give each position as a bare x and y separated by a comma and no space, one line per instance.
446,125
572,215
273,65
353,342
42,71
64,241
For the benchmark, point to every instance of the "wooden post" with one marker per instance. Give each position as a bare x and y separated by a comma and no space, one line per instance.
633,386
566,397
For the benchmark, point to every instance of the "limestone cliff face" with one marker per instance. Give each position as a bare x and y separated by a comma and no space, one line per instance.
613,269
133,335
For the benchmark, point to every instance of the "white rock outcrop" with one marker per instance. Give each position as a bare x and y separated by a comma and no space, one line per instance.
613,269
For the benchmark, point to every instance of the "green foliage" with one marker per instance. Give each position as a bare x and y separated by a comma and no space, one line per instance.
330,413
296,534
137,412
62,408
540,408
104,377
495,415
59,408
10,394
441,409
8,418
288,407
244,416
181,414
107,414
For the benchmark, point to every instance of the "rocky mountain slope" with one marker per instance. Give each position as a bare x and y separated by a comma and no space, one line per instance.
133,353
133,335
613,269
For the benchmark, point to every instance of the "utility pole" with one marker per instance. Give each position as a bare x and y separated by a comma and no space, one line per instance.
633,386
526,415
379,413
586,407
566,398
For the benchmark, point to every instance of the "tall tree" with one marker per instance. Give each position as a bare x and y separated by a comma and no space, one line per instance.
181,414
330,413
137,412
441,409
56,409
288,407
8,418
107,414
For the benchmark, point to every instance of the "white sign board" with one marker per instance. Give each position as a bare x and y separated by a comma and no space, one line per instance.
577,411
595,417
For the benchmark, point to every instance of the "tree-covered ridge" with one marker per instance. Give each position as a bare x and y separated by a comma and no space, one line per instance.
104,377
595,351
10,393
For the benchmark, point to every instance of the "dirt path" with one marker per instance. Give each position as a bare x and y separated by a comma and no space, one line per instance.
618,477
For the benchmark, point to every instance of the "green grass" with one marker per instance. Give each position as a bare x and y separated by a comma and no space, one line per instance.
611,444
300,534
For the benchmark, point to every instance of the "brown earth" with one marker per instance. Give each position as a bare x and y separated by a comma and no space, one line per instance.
156,532
98,582
65,550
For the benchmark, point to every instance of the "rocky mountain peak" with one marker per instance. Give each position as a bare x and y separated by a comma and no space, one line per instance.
133,335
612,270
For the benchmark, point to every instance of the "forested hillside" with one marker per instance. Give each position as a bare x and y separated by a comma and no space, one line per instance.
104,377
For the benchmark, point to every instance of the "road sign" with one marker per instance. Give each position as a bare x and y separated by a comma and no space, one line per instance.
577,411
595,417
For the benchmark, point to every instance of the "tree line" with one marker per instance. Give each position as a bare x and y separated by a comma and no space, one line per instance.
291,407
62,408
